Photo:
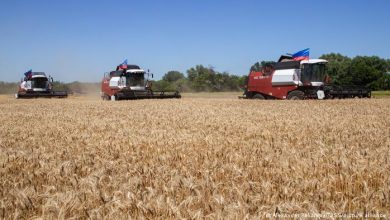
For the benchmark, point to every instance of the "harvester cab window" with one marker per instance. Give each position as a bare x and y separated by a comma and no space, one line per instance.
39,82
135,79
116,73
312,72
133,67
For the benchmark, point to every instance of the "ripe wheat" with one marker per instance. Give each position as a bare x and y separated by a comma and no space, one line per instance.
193,158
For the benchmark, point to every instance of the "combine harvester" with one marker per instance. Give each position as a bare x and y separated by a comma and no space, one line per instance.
297,77
36,85
128,82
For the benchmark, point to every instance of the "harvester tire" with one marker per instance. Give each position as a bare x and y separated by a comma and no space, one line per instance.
258,96
16,95
296,95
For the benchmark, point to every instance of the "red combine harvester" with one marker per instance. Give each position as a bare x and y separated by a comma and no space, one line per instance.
304,79
36,85
128,82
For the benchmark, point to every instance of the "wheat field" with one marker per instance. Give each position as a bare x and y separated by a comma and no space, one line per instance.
217,158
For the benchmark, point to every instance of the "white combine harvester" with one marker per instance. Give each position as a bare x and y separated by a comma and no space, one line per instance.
37,84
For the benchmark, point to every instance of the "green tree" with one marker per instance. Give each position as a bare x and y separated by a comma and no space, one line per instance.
258,65
173,76
201,78
367,70
383,83
182,85
242,81
162,85
338,68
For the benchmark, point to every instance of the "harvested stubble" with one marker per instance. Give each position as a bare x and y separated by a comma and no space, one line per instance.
191,158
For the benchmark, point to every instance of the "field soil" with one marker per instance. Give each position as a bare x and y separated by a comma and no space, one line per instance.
200,156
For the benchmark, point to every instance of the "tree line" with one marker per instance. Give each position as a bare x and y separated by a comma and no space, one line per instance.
370,71
200,79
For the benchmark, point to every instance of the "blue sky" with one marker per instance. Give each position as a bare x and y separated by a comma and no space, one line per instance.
81,39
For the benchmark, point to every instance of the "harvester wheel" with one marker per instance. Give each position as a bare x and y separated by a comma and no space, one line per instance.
296,95
258,96
16,95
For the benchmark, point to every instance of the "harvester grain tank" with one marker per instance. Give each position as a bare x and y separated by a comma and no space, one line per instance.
129,82
302,79
36,85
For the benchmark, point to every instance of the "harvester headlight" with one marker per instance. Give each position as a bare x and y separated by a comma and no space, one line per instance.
320,94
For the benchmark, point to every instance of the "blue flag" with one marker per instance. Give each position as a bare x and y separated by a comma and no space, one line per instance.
28,74
124,64
301,55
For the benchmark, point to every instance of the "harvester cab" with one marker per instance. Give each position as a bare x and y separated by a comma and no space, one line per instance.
132,78
312,72
131,82
37,84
